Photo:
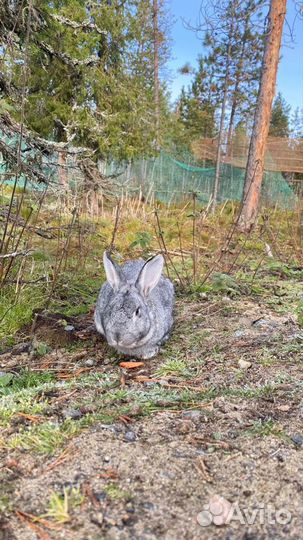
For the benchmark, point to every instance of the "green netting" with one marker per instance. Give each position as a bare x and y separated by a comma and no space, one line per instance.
171,180
168,179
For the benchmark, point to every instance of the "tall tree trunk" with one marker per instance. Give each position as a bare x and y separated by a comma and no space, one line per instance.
221,130
156,70
256,155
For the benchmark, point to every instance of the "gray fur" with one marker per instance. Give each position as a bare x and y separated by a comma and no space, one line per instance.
116,316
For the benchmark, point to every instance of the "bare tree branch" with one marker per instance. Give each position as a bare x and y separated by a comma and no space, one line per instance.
66,58
85,25
23,253
9,126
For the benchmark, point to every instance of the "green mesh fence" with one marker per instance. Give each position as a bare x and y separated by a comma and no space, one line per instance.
170,180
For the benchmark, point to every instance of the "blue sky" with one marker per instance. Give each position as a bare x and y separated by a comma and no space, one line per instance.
186,47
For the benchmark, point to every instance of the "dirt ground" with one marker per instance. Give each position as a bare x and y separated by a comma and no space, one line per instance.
144,453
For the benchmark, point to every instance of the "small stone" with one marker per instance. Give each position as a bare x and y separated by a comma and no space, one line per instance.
265,323
185,426
148,506
129,507
130,436
106,459
90,362
239,333
69,328
243,364
194,415
297,439
74,414
150,384
97,519
283,407
100,495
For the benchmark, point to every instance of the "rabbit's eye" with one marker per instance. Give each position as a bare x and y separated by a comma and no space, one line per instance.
137,312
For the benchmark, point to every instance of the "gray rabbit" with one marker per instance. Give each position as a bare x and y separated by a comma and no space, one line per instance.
134,310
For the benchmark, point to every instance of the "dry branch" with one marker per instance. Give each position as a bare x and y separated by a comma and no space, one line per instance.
84,25
10,127
23,253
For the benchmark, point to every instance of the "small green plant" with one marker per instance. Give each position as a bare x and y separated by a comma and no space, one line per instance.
60,505
172,367
264,428
224,283
25,379
142,240
267,358
115,492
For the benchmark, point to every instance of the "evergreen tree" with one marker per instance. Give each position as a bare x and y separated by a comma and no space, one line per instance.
280,120
296,123
89,72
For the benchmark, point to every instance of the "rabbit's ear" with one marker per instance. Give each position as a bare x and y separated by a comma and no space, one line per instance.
150,274
112,271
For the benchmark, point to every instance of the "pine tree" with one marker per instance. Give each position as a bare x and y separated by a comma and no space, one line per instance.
256,155
280,120
234,44
296,123
89,75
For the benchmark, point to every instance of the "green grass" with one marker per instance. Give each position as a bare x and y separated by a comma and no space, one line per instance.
266,428
60,505
25,379
17,311
173,366
115,492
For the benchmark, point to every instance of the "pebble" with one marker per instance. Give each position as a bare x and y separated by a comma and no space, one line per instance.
97,519
297,439
150,384
239,333
130,436
243,364
148,506
264,323
100,495
69,328
74,414
129,507
194,415
90,362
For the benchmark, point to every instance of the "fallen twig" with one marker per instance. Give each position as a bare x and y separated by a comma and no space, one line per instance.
23,253
202,468
60,459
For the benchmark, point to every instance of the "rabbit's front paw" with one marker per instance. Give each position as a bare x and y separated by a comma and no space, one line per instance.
150,353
